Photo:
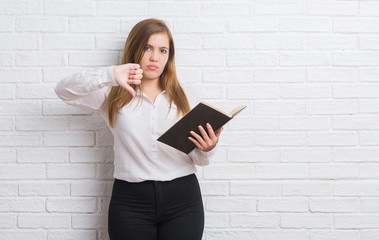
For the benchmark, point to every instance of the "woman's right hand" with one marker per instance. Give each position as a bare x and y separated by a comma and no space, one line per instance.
126,74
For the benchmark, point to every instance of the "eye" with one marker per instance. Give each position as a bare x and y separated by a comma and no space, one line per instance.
164,51
147,48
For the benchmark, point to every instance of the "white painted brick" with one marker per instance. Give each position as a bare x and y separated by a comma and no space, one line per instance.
284,107
364,188
306,188
93,221
284,75
230,235
305,123
7,220
366,58
188,76
69,42
211,92
51,188
356,122
368,170
332,42
214,188
217,220
20,75
355,25
252,91
222,204
20,139
89,123
6,123
91,188
78,139
7,155
333,171
253,155
20,7
355,154
356,221
283,234
41,123
183,9
369,74
7,24
305,24
313,154
72,235
92,155
334,205
104,171
110,43
254,220
279,7
312,221
41,24
93,58
340,74
115,8
35,91
369,234
367,42
76,205
8,189
29,155
282,205
304,58
22,234
229,41
253,24
44,58
7,91
58,107
334,8
308,90
332,139
104,138
250,58
70,171
235,139
281,171
228,172
227,9
43,221
22,205
70,8
22,171
331,107
271,41
265,189
94,25
369,138
227,75
196,25
200,58
261,123
335,234
19,41
279,139
103,234
370,205
369,8
355,90
54,74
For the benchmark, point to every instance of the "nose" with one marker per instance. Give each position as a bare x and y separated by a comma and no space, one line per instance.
153,56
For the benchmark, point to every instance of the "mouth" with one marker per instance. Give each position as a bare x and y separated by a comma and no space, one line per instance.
152,67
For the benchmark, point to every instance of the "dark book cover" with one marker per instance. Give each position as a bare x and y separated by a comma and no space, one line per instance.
177,135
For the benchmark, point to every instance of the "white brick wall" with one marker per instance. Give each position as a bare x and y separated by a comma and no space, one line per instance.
300,163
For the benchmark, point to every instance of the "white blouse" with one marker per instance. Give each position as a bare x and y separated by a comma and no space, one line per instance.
138,155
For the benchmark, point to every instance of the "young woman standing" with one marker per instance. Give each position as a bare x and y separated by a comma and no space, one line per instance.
155,194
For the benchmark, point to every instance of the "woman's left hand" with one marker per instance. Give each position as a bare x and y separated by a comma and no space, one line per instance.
205,142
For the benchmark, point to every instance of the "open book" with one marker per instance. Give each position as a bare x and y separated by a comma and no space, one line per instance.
177,135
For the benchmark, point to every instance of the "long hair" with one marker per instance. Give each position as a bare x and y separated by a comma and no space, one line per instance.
133,52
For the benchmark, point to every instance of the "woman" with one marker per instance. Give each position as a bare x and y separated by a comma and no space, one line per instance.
155,194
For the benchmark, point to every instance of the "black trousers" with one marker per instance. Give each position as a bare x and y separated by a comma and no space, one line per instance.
154,210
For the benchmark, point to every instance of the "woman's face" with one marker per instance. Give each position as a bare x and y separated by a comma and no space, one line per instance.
155,56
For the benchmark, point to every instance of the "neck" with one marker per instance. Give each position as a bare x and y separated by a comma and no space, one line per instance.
151,85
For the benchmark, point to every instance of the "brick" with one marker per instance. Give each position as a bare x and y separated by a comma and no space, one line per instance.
115,8
356,221
360,154
281,171
94,25
72,235
285,41
222,204
367,42
279,139
93,59
305,123
44,221
368,170
253,24
264,188
108,43
41,123
333,171
91,155
41,24
226,9
91,188
332,139
70,8
281,75
331,107
306,188
85,221
253,155
306,154
331,42
44,58
20,7
370,205
228,235
7,91
330,74
6,123
183,9
19,41
196,25
355,25
6,59
335,234
68,42
252,91
307,24
104,171
334,8
334,205
308,91
7,220
78,139
228,172
304,58
214,188
254,220
356,122
57,107
70,171
228,41
22,234
311,221
355,90
228,76
22,205
284,107
368,234
8,189
261,123
234,139
68,205
217,220
368,8
7,24
20,139
29,155
20,76
251,59
364,58
283,234
369,138
89,123
51,188
362,188
22,171
282,205
369,74
279,7
200,58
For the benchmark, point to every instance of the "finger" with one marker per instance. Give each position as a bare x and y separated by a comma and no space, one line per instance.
210,131
198,138
130,90
135,82
204,134
197,144
139,71
134,66
135,77
219,132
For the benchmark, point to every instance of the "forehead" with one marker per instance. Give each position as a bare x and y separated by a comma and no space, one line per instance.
159,39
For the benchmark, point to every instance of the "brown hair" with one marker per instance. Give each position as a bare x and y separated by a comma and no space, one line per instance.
133,52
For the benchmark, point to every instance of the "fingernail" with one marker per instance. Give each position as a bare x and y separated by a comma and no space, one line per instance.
199,126
130,76
129,81
208,125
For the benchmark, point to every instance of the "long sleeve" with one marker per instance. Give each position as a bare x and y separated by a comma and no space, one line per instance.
87,89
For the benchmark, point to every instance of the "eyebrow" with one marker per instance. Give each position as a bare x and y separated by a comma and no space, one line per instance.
153,46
